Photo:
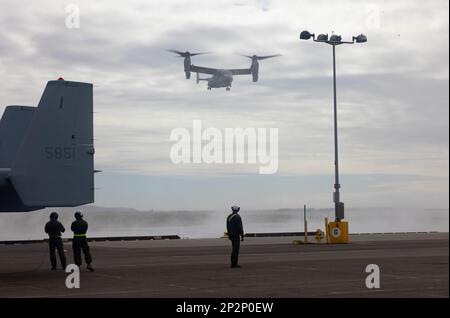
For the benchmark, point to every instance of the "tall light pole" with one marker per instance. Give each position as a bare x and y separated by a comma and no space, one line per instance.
334,40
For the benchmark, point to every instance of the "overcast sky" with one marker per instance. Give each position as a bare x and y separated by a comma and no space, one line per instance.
393,95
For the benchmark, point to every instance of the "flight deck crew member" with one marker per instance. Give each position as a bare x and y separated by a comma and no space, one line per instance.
235,234
79,228
54,229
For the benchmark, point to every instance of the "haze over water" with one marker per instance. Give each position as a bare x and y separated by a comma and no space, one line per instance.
211,224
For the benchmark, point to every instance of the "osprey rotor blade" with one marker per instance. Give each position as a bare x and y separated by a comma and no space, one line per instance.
199,53
257,57
187,53
267,56
183,54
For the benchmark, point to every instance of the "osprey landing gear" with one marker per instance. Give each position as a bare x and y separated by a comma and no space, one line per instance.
208,88
228,88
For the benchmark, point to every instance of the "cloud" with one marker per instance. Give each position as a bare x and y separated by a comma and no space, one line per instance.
392,91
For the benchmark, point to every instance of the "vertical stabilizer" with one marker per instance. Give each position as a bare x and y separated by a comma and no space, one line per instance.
13,127
54,165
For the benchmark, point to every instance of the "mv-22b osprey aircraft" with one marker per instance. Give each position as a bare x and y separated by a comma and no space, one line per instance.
220,77
47,152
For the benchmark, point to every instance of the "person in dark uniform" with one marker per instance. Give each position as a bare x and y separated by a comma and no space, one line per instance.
235,234
79,228
54,229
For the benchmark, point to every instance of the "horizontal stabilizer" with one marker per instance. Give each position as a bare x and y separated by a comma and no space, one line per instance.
10,201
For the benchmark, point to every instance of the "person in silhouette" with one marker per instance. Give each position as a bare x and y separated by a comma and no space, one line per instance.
79,228
235,231
54,229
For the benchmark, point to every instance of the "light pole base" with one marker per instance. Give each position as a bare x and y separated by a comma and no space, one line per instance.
339,211
337,232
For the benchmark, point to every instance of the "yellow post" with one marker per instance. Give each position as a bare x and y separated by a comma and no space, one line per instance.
319,235
306,224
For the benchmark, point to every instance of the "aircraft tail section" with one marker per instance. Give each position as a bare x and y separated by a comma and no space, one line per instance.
13,127
54,164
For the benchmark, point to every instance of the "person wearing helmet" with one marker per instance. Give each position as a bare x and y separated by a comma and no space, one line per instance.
54,229
79,228
235,234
